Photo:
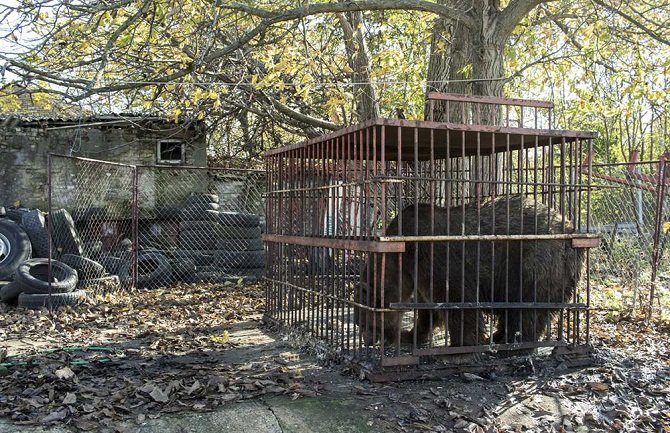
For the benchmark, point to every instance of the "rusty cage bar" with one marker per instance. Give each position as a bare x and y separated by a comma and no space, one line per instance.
397,240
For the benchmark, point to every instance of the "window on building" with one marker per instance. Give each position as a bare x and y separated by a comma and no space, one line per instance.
170,152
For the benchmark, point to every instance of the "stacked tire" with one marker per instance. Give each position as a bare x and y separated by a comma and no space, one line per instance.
33,288
28,278
215,246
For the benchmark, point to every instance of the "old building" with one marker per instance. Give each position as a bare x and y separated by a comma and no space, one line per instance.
26,142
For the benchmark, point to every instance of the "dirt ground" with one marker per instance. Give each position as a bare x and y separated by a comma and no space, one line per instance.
129,358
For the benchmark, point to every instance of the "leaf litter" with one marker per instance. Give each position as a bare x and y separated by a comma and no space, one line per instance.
139,355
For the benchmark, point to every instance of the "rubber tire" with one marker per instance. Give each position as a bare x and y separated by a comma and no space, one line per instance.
160,276
111,264
197,240
98,283
238,219
34,225
239,245
16,214
20,248
86,268
199,257
11,291
64,236
198,197
198,225
169,213
37,301
93,249
208,215
32,276
231,233
239,259
183,269
201,207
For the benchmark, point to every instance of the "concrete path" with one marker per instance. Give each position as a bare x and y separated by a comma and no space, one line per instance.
273,415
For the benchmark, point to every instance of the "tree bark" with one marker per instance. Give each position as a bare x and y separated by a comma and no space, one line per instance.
358,60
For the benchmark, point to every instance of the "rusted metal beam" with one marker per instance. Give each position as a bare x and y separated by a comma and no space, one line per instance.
456,350
471,238
491,100
349,244
485,306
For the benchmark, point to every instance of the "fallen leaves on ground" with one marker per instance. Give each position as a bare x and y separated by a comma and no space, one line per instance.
134,355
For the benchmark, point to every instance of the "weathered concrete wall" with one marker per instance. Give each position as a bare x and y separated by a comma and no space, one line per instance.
24,149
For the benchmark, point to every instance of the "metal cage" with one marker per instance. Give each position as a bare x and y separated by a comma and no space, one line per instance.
395,241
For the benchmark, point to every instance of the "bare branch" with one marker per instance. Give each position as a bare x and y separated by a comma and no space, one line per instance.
637,23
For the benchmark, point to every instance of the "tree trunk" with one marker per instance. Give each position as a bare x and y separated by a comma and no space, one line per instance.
467,60
367,106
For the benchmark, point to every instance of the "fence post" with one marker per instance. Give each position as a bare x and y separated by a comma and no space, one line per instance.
135,227
658,228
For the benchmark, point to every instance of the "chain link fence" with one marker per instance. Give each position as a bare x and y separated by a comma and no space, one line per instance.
199,225
627,213
121,226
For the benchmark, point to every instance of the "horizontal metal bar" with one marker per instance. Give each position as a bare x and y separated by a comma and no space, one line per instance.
454,350
586,243
372,246
492,100
485,306
331,297
470,238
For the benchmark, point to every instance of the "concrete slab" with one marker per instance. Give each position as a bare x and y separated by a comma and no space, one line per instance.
274,415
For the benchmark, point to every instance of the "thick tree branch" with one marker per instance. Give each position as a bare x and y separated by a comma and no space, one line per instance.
274,17
515,11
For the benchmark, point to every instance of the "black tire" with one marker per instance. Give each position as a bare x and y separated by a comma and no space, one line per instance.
239,245
208,215
239,259
93,249
111,264
231,233
110,282
201,207
183,269
15,248
198,225
199,257
153,270
168,213
37,301
32,275
34,225
197,240
87,269
16,214
198,197
9,292
64,236
238,219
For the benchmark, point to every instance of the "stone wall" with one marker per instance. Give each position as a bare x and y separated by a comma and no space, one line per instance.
24,148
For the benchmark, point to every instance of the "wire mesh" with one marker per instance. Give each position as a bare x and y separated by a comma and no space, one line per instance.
199,225
90,220
625,206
